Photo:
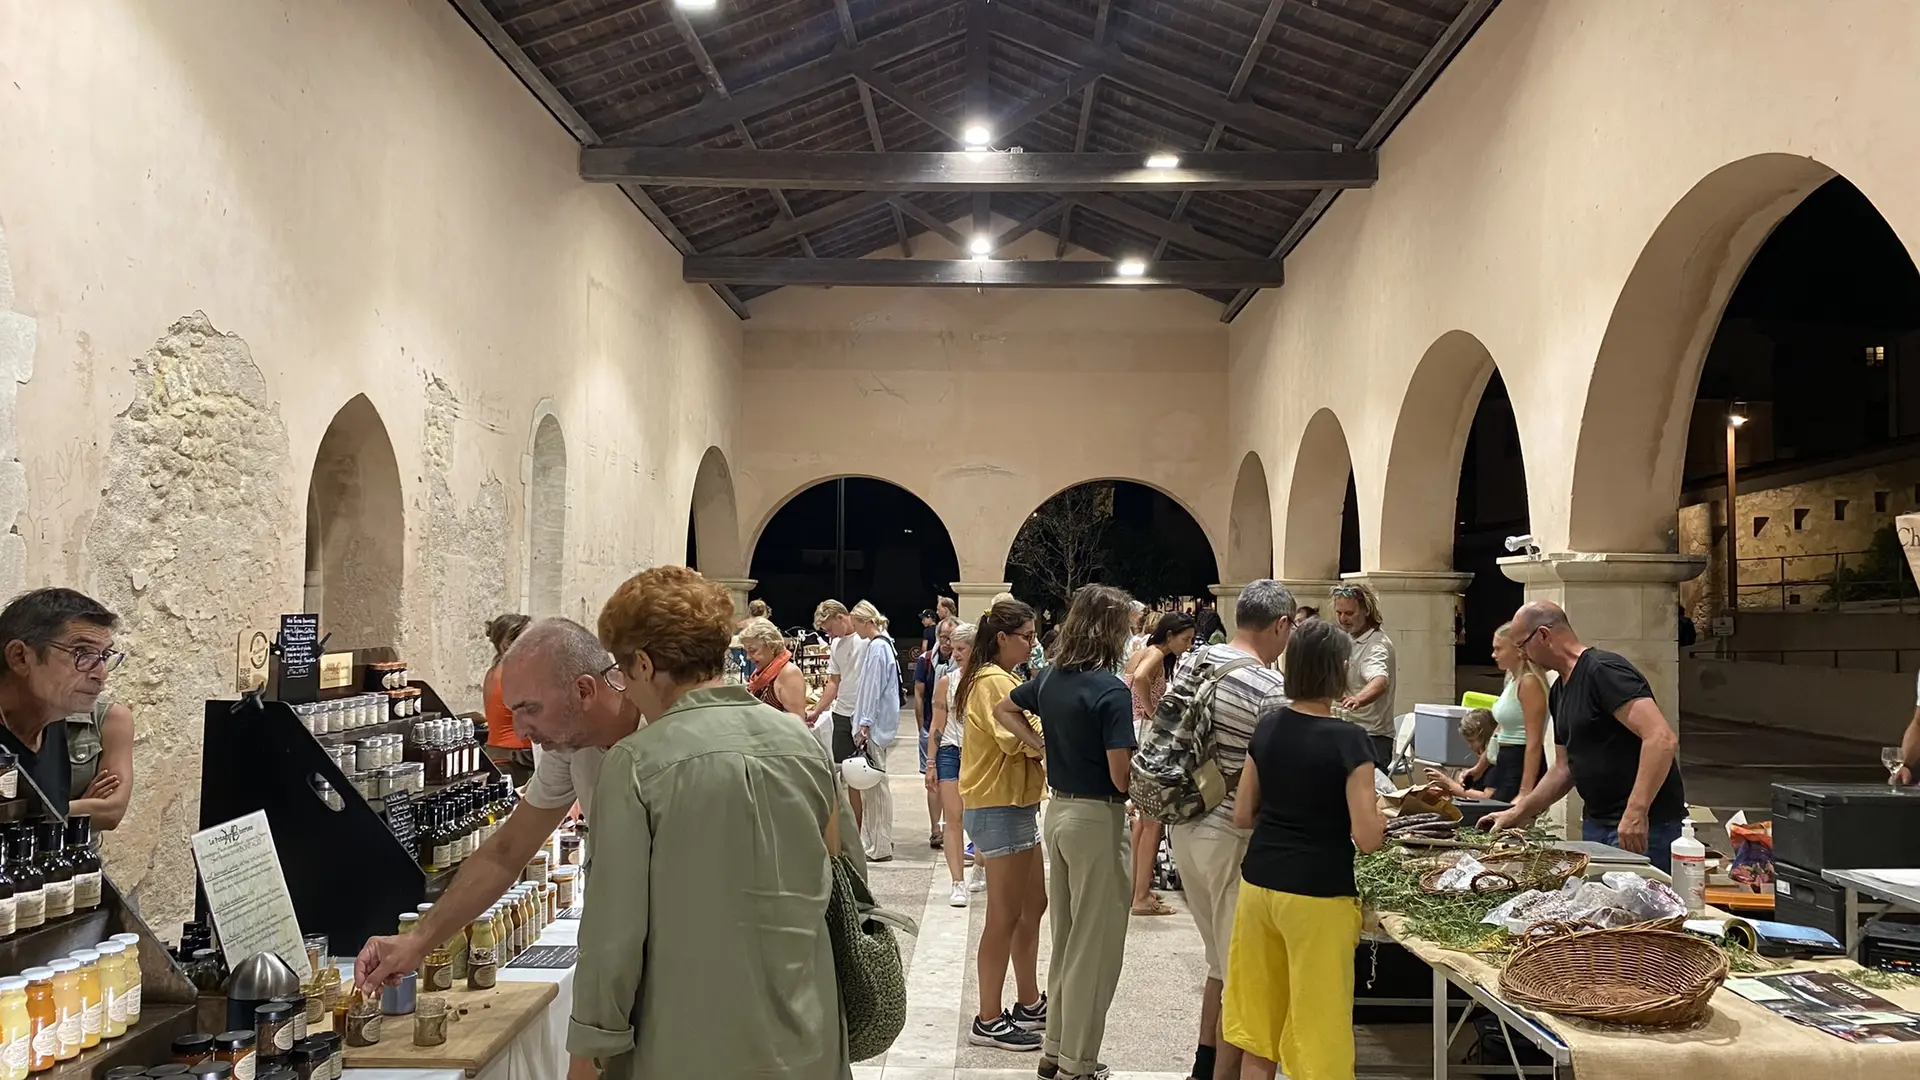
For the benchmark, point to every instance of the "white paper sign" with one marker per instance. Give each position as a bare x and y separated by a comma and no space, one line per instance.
240,871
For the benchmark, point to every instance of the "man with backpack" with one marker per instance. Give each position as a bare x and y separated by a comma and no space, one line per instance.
1187,770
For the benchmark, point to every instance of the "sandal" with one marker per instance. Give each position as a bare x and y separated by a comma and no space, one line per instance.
1153,907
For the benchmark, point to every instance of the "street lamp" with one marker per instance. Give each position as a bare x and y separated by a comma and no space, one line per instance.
1736,419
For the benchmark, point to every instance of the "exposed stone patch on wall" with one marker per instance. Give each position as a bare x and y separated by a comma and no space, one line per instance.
463,563
17,335
186,547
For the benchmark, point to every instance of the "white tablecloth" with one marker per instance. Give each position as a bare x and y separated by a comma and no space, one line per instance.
539,1052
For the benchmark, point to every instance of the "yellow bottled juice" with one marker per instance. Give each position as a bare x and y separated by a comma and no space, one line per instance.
132,942
16,1029
93,1000
113,984
67,1008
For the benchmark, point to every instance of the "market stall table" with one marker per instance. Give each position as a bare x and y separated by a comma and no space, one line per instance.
539,1052
1890,887
1740,1038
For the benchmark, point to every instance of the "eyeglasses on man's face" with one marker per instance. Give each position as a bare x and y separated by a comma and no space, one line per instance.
615,679
90,660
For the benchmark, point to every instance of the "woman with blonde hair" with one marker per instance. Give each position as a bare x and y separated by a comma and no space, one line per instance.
876,721
776,678
946,733
1001,780
720,790
1520,744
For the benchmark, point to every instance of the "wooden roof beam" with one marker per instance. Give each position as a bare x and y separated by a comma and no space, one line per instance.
990,273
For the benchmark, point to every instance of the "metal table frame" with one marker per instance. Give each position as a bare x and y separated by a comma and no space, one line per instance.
1514,1021
1852,884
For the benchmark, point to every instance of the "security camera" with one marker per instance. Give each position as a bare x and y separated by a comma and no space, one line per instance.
1523,544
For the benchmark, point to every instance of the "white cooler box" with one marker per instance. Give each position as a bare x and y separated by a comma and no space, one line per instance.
1436,735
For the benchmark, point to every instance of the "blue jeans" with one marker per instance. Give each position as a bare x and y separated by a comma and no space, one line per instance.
1660,838
923,749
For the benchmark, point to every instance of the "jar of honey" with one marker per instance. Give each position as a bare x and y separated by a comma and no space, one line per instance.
93,999
236,1049
66,1002
43,1018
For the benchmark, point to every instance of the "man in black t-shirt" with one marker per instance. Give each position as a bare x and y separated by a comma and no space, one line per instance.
1616,747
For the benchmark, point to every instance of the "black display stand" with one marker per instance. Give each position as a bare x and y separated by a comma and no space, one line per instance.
349,876
167,997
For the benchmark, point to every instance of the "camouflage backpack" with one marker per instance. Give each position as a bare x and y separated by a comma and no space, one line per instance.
1176,778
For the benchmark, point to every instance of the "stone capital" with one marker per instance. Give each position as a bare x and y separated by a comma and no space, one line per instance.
1412,581
737,591
974,597
1602,568
1312,592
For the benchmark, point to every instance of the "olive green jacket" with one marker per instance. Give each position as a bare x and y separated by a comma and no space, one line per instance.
704,948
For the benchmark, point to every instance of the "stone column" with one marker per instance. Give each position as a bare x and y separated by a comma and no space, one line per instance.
738,588
1311,592
1224,598
974,597
1417,609
1621,602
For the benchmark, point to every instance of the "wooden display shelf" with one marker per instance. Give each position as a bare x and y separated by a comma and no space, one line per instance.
149,1042
483,1022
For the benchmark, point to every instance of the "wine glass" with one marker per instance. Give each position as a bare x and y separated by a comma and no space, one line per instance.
1891,757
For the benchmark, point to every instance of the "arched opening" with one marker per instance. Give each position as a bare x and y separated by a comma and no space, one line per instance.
1322,527
713,523
851,539
355,531
1116,532
1250,524
1456,487
547,519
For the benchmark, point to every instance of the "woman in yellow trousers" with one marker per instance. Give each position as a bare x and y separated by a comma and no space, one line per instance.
1307,794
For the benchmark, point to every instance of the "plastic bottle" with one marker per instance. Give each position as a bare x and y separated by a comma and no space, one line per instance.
1690,869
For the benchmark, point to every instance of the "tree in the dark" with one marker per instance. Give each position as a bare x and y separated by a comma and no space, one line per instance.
1063,545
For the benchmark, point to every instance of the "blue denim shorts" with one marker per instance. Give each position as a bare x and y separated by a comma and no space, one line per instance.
998,831
946,763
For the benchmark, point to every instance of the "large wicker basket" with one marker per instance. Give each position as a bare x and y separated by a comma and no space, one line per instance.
1545,869
1632,975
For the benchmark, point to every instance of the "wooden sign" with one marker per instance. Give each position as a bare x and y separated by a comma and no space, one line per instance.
252,656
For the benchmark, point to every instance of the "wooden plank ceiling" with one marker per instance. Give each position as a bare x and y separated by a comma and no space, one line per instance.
776,141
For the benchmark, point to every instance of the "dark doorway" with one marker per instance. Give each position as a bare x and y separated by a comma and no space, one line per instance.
1116,532
1491,506
1350,529
854,539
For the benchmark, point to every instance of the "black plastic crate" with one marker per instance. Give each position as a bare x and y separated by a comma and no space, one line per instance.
1802,898
1891,946
1846,826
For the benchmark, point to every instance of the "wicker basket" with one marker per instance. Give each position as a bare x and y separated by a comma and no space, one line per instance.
1546,869
1632,975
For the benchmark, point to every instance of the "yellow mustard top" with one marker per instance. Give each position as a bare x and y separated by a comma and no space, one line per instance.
997,769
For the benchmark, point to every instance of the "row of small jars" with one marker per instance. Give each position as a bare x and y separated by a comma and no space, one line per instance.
410,776
50,1014
343,714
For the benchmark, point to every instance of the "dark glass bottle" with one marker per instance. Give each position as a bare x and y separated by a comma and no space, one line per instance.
30,884
9,913
86,863
56,868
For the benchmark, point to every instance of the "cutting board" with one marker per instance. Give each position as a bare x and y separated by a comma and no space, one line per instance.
485,1021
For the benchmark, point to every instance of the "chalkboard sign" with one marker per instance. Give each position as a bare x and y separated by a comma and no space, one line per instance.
399,812
297,659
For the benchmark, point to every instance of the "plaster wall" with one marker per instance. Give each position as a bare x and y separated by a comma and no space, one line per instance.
984,403
220,220
1569,145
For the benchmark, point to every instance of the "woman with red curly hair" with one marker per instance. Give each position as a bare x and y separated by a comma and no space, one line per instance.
704,948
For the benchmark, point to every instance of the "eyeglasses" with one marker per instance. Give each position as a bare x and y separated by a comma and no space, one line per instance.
1530,636
88,660
615,679
1348,591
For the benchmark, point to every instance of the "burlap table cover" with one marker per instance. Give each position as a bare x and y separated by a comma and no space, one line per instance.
1741,1040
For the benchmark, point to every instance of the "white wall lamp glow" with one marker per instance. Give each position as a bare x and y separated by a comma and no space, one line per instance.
976,136
1163,161
1132,267
696,5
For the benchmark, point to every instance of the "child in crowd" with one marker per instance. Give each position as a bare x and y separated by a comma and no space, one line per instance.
1477,727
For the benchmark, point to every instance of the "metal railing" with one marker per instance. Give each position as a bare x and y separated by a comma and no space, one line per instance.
1823,581
1897,661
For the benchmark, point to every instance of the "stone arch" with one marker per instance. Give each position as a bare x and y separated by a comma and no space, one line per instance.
1633,432
1208,570
715,519
1250,524
1316,501
775,506
1214,549
546,517
899,551
356,531
1423,466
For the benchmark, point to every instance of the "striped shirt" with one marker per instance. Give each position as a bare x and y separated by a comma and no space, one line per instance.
1241,699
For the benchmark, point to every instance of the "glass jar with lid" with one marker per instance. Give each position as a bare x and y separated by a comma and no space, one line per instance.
66,1001
113,986
43,1015
16,1029
134,980
93,998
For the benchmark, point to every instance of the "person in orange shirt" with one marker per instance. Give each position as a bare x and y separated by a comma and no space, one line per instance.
512,753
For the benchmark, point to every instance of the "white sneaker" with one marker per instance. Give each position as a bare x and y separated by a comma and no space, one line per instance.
958,897
978,882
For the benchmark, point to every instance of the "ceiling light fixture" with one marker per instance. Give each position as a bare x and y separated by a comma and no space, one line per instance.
696,5
1133,267
980,245
1163,161
977,136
